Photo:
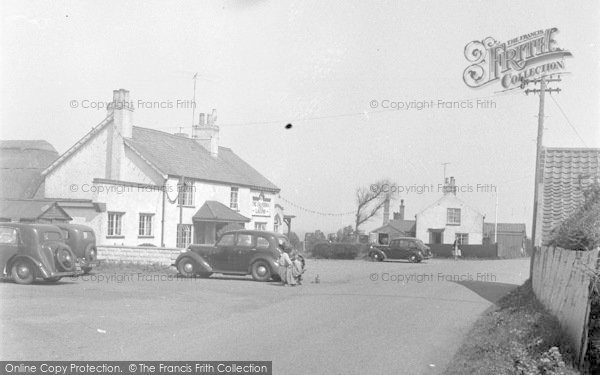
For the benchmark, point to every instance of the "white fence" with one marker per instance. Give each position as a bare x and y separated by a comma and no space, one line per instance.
561,280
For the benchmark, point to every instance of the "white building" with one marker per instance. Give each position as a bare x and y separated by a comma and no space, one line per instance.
159,188
450,219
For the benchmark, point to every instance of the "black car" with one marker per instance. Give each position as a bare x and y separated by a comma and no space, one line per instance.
239,252
412,249
82,241
29,251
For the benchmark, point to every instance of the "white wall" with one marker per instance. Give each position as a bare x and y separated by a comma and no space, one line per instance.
72,177
435,217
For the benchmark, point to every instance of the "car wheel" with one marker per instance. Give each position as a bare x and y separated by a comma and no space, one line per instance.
376,257
53,279
186,267
261,271
413,258
23,272
65,259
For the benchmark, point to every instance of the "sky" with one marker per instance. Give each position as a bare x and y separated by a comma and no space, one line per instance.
327,68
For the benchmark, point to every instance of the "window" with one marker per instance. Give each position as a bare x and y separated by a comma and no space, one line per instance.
115,227
186,194
260,226
226,240
233,199
244,240
453,216
262,243
184,235
52,236
277,223
145,225
8,236
462,238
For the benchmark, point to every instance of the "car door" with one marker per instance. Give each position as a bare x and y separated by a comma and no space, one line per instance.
9,245
224,248
402,249
394,250
245,249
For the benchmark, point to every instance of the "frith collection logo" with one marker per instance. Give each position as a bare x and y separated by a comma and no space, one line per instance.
527,57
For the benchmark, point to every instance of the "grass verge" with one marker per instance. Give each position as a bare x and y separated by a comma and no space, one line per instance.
518,336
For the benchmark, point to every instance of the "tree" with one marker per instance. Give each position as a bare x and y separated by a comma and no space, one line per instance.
345,234
294,240
371,200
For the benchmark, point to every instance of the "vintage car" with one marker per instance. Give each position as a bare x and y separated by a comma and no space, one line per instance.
29,251
412,249
82,241
238,252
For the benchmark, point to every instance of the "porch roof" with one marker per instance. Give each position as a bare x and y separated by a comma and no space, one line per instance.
214,211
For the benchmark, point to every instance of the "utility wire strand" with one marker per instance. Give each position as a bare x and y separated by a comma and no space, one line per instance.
364,113
568,121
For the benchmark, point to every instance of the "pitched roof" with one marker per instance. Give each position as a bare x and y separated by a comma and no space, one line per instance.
179,156
564,170
403,226
488,228
217,211
30,210
21,166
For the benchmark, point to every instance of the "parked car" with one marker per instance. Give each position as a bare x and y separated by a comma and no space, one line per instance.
82,241
29,251
238,252
412,249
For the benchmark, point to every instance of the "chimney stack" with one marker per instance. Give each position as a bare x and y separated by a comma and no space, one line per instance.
386,210
449,186
121,110
401,212
206,133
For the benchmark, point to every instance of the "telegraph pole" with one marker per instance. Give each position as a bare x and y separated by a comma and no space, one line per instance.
539,149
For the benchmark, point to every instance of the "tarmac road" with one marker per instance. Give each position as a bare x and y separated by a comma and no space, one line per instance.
363,317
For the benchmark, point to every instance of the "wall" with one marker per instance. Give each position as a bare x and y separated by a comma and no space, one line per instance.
467,251
78,170
561,282
143,255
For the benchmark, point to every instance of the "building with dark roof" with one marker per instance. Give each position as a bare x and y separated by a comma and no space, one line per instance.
511,238
567,172
21,166
160,188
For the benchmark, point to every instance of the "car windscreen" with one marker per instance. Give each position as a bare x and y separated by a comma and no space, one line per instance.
51,236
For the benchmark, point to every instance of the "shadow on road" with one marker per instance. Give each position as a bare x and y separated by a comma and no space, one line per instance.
493,292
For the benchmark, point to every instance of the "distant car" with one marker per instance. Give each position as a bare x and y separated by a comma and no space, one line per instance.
239,252
29,251
412,249
82,241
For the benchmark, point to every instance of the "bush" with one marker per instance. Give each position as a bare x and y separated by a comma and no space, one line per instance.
581,231
336,250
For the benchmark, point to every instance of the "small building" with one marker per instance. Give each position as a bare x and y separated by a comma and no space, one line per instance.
394,228
511,238
567,172
21,166
450,219
32,210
